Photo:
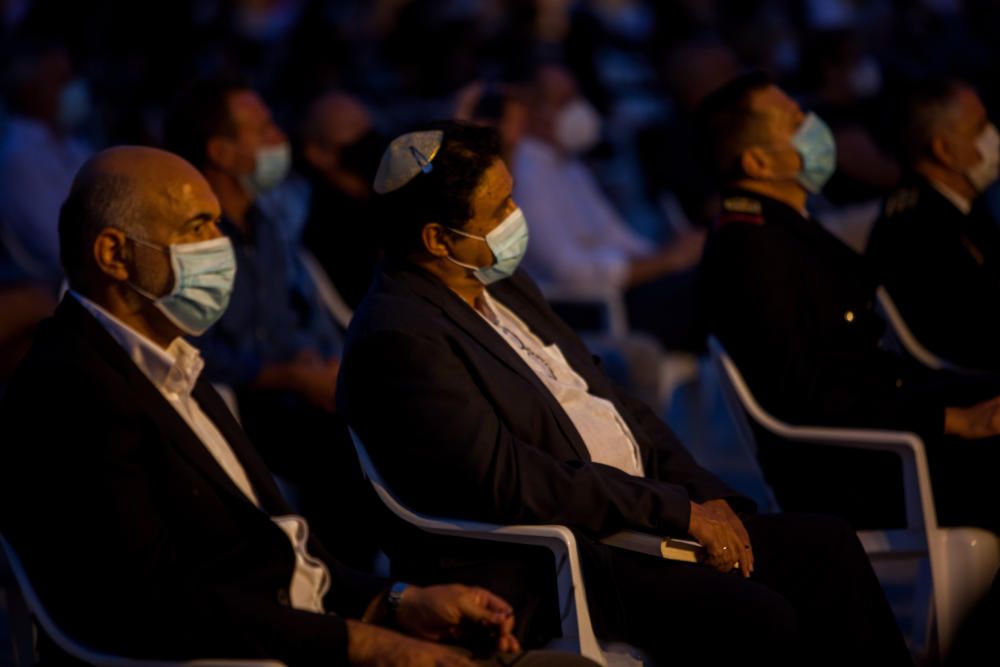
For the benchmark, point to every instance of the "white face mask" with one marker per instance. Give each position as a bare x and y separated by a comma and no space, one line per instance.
204,272
508,242
986,171
271,167
578,126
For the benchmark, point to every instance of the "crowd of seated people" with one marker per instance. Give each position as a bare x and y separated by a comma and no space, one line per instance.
160,211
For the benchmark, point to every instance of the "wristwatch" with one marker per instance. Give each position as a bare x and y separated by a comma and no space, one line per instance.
394,597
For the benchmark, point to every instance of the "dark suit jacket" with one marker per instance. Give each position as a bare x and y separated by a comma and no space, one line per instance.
136,539
459,425
942,268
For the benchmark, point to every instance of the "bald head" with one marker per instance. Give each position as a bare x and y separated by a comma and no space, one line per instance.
143,192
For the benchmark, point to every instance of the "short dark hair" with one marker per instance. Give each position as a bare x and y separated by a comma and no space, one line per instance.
444,194
92,205
723,123
199,113
924,105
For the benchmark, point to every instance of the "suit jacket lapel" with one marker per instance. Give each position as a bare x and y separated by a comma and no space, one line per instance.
260,477
472,323
176,430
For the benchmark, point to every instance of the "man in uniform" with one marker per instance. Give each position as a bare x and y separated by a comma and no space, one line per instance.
935,248
794,307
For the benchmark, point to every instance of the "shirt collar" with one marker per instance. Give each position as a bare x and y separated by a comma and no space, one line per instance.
174,370
958,201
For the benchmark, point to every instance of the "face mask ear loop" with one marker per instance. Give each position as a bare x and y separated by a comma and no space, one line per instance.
451,259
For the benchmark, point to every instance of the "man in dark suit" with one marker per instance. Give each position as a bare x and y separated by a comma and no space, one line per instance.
936,248
145,518
794,307
477,401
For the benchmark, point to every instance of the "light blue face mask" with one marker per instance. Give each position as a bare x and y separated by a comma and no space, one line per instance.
271,167
203,282
508,242
818,151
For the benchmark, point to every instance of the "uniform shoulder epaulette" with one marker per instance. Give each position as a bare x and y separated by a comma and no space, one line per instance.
901,200
741,209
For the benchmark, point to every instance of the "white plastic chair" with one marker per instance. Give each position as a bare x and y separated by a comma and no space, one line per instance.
901,338
87,655
577,633
328,294
963,561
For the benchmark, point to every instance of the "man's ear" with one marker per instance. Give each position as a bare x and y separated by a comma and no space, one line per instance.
433,236
756,163
221,151
110,254
941,150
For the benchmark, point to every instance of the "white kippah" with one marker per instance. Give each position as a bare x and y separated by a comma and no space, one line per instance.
407,156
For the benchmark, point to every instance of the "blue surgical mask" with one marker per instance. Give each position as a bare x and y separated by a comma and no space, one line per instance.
815,145
203,282
508,242
272,166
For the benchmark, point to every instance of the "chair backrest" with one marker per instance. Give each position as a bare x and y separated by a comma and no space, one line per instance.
328,293
921,538
87,655
739,401
61,639
901,339
919,501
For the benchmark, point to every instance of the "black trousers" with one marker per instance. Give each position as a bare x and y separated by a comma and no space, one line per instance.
813,599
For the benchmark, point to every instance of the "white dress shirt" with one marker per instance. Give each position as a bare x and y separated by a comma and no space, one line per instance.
606,435
174,372
37,169
577,238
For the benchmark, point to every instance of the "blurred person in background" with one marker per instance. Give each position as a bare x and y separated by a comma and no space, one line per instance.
936,248
276,345
579,241
39,156
340,149
795,308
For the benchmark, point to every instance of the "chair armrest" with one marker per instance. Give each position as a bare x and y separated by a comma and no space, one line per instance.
919,498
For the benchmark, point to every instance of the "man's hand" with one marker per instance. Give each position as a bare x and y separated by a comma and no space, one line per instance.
308,375
681,255
981,420
370,645
724,536
439,612
316,380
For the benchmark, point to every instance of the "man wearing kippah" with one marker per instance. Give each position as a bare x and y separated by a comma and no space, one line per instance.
476,401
